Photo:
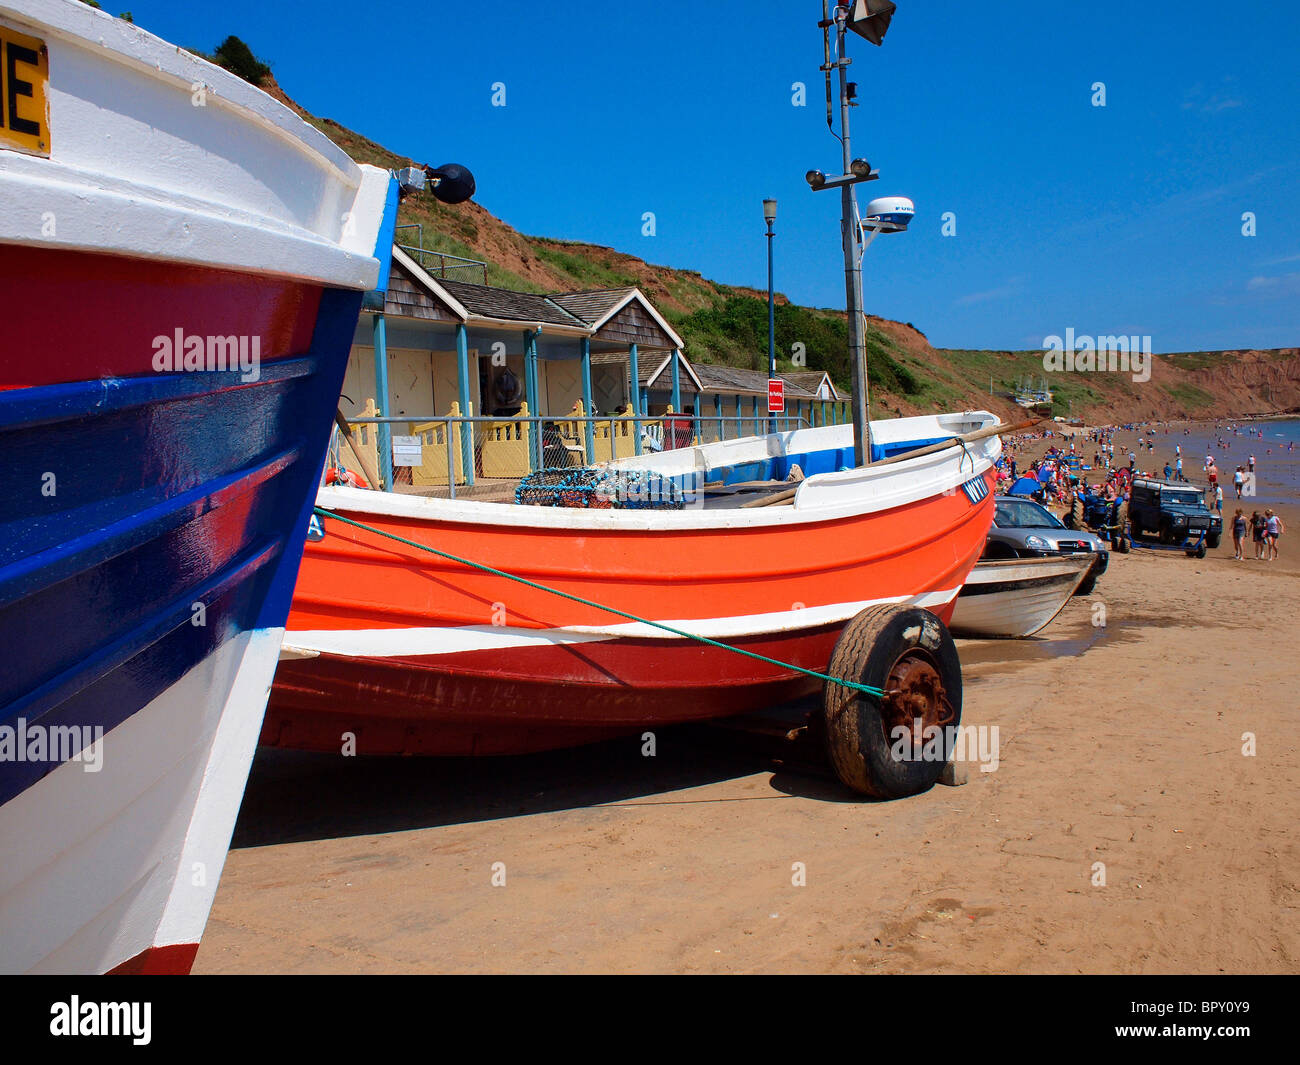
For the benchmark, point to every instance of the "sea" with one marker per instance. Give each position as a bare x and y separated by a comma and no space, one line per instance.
1277,470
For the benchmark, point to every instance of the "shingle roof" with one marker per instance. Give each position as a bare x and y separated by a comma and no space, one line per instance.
489,302
809,381
733,379
590,306
650,366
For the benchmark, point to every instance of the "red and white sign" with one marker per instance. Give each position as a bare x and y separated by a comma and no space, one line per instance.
775,395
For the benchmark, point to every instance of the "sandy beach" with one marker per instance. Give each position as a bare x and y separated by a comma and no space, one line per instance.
1140,820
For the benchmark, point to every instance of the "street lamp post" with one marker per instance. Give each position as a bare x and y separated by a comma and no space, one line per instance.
769,214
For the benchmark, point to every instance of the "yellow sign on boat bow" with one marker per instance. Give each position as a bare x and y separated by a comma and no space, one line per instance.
24,77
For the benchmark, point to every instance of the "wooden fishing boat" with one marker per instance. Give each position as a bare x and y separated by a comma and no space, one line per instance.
394,650
1012,598
183,262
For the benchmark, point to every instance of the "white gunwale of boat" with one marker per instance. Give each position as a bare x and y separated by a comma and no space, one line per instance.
137,168
1017,613
820,498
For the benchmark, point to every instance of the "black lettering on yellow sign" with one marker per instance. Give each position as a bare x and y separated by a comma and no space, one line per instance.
24,77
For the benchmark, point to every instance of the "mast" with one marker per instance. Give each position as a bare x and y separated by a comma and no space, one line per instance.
852,241
870,20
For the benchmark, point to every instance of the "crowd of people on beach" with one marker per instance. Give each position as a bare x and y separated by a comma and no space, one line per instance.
1060,476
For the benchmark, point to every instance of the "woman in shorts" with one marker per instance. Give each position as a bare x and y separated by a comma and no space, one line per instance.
1239,535
1257,533
1273,528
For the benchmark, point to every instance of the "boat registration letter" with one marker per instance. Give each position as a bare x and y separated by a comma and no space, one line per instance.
24,108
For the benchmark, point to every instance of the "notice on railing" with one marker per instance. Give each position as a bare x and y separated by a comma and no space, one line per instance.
408,451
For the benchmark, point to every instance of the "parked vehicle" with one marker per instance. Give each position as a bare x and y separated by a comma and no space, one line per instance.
1172,513
1023,529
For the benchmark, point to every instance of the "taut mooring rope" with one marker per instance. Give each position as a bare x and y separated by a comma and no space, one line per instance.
825,677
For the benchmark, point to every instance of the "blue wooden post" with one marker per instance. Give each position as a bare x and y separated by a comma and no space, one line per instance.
530,394
677,381
758,431
717,409
587,401
462,387
384,433
695,425
639,407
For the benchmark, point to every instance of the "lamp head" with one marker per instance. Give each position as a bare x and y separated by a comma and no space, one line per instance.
869,19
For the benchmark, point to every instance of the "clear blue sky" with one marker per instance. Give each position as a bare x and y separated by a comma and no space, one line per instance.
1118,219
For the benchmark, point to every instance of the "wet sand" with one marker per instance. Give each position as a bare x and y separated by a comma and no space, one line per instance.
1120,742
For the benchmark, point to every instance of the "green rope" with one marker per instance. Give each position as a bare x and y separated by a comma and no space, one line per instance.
854,685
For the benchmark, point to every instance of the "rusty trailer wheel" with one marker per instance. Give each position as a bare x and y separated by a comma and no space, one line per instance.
896,745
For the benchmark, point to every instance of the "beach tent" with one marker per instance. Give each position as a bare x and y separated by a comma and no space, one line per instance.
1026,486
1045,475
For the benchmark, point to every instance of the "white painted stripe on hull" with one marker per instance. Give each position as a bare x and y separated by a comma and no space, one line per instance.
391,643
99,866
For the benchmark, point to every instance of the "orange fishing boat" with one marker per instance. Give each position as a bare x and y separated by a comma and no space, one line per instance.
409,652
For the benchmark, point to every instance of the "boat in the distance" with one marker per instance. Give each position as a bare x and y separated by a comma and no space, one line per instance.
395,650
183,261
1012,598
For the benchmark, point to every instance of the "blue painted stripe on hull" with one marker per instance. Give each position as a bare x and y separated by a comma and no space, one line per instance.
172,490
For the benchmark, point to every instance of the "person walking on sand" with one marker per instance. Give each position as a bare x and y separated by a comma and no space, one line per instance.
1169,472
1239,536
1178,469
1257,533
1218,499
1273,528
1252,464
1238,481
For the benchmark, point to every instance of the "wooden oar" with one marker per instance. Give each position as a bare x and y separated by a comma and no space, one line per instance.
362,458
964,438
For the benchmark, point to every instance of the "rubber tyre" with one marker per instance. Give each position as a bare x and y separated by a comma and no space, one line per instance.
1089,583
1213,541
1198,551
857,738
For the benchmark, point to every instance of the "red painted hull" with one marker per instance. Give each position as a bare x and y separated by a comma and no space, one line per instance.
176,959
356,591
67,296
